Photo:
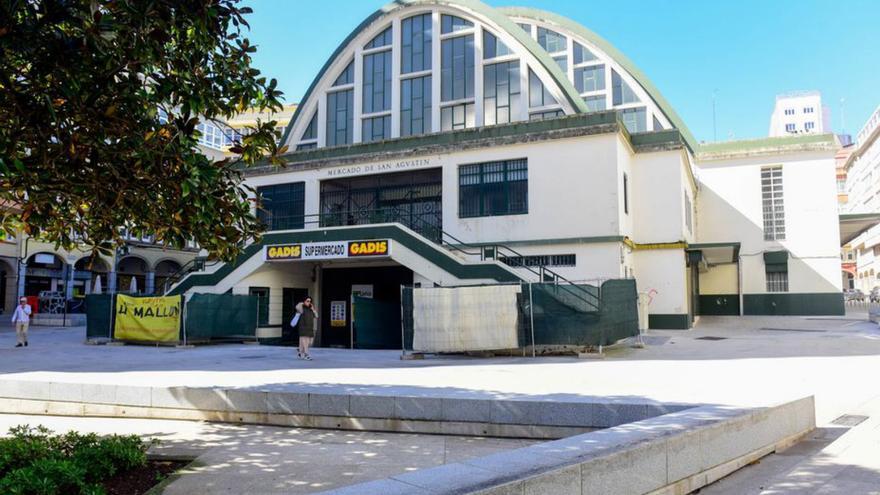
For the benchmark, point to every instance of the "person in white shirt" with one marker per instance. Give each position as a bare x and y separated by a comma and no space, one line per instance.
21,318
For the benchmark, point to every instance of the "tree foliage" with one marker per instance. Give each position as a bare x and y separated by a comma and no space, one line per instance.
85,145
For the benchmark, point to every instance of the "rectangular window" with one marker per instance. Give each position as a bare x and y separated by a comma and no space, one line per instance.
455,117
688,214
282,206
552,41
789,111
621,92
808,110
549,114
457,68
494,188
589,78
415,44
810,126
595,103
777,281
538,94
626,194
340,117
789,128
377,82
568,260
501,93
635,119
773,205
376,129
415,106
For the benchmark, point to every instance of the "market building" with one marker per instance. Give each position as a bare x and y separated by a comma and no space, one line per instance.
448,143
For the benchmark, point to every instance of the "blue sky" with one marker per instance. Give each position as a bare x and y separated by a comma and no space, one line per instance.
745,51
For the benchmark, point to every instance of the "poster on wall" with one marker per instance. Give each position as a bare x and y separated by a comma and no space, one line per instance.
147,319
362,290
337,314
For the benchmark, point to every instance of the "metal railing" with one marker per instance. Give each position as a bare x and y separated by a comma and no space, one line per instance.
428,225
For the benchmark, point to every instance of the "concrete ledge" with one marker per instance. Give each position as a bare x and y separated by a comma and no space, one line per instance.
450,415
675,453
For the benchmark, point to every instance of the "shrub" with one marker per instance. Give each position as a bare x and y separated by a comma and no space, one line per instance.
35,461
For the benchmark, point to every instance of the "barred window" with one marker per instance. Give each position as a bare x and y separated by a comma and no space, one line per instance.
494,188
777,282
282,206
540,260
773,204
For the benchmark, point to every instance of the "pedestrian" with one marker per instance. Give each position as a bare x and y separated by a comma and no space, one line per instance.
21,318
307,318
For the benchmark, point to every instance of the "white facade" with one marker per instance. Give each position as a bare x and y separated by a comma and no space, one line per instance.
863,196
799,113
589,194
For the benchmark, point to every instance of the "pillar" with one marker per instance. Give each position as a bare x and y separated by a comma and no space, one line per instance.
151,283
68,287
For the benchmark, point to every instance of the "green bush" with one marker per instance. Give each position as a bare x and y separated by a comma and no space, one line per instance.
35,461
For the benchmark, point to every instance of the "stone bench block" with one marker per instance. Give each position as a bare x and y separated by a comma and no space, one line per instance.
329,405
286,403
421,408
468,410
189,398
371,406
253,401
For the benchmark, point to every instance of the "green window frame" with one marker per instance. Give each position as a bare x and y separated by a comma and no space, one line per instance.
493,188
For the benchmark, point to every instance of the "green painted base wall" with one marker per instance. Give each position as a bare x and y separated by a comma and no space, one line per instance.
669,322
824,303
719,305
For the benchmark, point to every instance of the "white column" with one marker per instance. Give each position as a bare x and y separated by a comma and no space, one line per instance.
478,76
322,118
435,71
524,90
358,94
395,77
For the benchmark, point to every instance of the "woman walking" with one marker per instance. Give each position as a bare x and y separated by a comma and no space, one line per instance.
307,317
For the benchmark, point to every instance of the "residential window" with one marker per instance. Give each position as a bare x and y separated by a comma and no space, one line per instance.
621,92
810,126
501,93
772,202
377,82
340,117
347,76
451,24
688,213
415,44
582,54
415,106
635,119
551,40
539,96
777,282
493,47
494,188
566,260
588,79
789,111
380,40
376,128
455,117
282,206
457,68
595,103
789,128
626,194
808,109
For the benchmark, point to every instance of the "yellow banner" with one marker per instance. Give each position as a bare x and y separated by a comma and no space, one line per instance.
149,319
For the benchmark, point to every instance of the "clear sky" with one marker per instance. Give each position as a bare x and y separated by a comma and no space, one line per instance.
743,51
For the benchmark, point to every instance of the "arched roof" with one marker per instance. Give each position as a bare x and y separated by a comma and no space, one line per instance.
502,19
618,56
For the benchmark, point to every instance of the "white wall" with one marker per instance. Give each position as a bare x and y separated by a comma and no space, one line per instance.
730,209
663,270
658,201
719,280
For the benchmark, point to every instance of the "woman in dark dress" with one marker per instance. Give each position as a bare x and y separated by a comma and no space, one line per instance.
307,318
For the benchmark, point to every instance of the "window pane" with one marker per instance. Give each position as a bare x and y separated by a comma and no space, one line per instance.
552,41
416,43
538,94
635,119
494,188
340,117
621,92
451,24
312,129
582,54
415,106
595,103
589,78
501,93
455,117
493,47
772,204
376,129
377,82
380,40
347,76
282,206
457,68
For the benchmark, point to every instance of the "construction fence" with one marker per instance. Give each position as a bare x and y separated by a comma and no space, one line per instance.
171,320
537,316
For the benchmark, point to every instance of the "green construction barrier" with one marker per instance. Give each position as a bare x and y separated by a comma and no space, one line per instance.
220,316
376,324
99,316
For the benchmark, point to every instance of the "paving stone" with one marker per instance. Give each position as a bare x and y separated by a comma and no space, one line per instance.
286,403
423,408
372,406
329,404
474,410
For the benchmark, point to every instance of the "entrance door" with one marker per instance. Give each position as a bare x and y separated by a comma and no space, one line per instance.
292,297
262,294
376,323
